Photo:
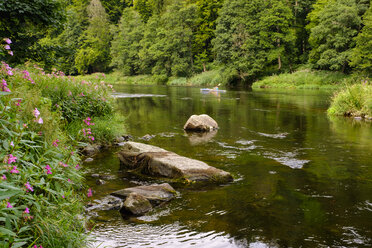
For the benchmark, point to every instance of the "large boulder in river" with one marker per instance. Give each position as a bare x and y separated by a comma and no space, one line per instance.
154,161
155,193
200,123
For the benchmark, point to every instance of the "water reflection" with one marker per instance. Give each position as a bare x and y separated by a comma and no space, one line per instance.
198,138
302,179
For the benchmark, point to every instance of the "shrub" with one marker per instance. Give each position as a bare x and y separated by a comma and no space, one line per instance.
41,181
353,100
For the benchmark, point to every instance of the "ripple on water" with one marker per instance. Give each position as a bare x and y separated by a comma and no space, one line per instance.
275,136
164,236
127,95
287,158
352,237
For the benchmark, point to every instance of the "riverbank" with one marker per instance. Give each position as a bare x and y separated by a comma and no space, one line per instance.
46,120
209,79
303,79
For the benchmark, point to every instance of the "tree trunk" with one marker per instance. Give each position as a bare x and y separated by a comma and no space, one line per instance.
204,68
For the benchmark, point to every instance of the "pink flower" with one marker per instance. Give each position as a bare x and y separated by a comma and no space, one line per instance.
11,53
69,180
8,205
8,41
87,121
14,170
49,170
10,73
63,196
4,82
11,143
63,164
36,112
25,126
27,211
6,89
69,93
29,187
3,177
77,166
40,121
89,192
7,47
11,159
55,143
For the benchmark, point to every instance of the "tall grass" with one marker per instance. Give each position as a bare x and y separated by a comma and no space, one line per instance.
353,100
303,79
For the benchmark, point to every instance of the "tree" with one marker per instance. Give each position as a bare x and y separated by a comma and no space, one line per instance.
126,43
26,21
114,8
147,8
167,49
252,36
361,57
94,53
332,38
207,13
301,9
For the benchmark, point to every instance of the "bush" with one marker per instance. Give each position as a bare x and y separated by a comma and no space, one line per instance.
353,100
41,181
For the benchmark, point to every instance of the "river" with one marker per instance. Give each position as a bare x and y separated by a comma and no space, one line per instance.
302,179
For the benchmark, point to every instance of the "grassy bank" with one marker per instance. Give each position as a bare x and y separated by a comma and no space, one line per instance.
45,120
208,79
353,100
303,79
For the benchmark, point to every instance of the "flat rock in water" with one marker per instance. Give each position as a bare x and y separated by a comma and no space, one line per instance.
200,123
155,193
154,161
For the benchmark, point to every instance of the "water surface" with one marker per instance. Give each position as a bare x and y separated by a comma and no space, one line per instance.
301,178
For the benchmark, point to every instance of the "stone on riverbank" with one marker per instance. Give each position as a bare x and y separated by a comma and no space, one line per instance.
200,123
154,161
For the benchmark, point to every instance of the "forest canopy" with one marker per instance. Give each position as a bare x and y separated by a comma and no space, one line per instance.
165,38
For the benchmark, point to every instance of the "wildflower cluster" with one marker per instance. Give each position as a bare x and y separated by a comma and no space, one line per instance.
35,174
6,46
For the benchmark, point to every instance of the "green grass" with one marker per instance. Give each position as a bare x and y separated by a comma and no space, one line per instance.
118,78
353,100
208,78
303,79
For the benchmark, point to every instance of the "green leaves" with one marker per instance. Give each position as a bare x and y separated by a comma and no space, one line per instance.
335,24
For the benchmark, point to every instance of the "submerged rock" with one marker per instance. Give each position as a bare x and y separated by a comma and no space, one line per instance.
105,204
100,182
154,161
90,150
136,204
155,193
147,137
201,123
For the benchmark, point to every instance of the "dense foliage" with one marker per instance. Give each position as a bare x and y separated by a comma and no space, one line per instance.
45,118
249,39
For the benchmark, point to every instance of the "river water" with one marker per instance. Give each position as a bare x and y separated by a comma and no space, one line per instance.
302,179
